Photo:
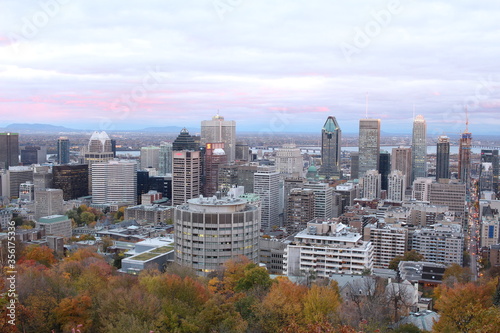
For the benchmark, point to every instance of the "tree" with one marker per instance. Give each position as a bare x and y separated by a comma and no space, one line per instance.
456,274
464,307
87,218
408,256
40,254
321,303
74,311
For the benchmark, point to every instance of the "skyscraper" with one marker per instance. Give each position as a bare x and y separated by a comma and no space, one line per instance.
491,156
401,160
63,150
266,181
72,179
99,150
114,182
331,136
215,157
396,186
220,130
384,168
9,150
443,158
419,148
369,145
464,152
150,157
184,141
185,176
289,160
371,185
165,158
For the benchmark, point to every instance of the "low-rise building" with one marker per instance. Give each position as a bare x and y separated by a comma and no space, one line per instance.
56,225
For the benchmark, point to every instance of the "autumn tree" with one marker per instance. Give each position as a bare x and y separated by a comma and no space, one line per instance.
456,274
466,307
321,303
40,254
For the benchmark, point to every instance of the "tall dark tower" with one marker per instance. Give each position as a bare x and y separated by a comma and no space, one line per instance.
330,149
464,152
443,158
63,150
384,169
9,150
184,142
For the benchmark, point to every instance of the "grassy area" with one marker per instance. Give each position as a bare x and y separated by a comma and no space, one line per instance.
153,253
163,249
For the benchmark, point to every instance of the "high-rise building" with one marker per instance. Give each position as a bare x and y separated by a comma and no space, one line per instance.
246,177
220,130
323,199
354,165
299,209
165,159
114,182
150,157
16,175
9,150
289,161
419,148
228,178
396,186
401,160
490,156
42,177
242,152
73,180
443,158
450,193
185,176
63,150
142,184
441,244
371,185
48,202
464,155
33,155
215,157
266,185
369,145
421,188
388,242
384,168
210,231
99,150
185,141
331,137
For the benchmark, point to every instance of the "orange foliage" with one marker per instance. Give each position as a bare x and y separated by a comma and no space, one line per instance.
40,254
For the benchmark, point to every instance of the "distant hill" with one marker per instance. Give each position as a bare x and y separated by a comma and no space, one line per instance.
38,128
170,129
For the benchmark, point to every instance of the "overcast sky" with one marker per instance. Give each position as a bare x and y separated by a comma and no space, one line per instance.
280,65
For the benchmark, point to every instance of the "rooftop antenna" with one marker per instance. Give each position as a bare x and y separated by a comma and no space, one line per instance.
366,106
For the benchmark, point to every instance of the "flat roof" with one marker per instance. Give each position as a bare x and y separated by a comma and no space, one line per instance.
53,219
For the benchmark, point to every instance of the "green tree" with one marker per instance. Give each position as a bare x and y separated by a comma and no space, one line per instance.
87,218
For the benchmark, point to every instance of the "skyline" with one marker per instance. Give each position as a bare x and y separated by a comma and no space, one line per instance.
283,66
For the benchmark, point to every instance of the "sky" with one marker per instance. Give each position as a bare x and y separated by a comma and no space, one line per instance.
272,66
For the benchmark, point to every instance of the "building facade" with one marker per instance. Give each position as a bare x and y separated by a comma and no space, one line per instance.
9,150
331,136
443,158
186,168
266,186
220,130
210,231
114,182
419,148
369,145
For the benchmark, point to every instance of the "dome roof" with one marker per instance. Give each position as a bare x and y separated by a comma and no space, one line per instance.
312,168
219,151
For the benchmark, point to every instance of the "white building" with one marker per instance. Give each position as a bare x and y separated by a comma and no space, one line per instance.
48,202
266,186
442,244
388,242
371,184
289,161
396,186
421,188
210,231
323,199
165,159
150,157
114,182
490,231
325,248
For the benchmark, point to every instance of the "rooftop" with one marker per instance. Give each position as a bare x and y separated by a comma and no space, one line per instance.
53,219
